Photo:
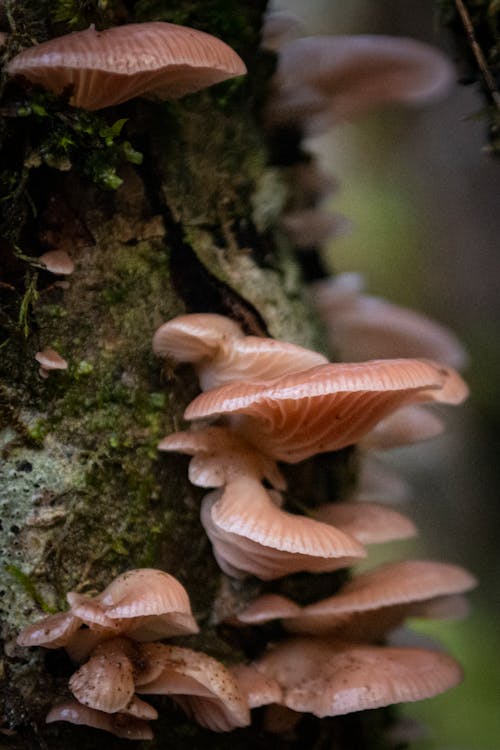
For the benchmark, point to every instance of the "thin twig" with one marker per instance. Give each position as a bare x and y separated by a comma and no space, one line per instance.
478,53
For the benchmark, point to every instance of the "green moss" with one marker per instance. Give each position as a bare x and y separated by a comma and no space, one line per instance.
29,587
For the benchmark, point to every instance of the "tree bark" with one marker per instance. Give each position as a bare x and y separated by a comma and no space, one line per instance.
84,494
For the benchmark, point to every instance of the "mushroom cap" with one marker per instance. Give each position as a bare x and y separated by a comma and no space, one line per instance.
222,354
349,75
57,261
250,535
279,26
327,407
108,67
120,725
52,631
368,522
105,682
202,686
144,591
361,326
219,455
49,359
328,678
309,227
390,591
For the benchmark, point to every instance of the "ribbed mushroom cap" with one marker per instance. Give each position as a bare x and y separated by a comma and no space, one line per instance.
361,326
49,359
52,631
250,535
257,688
202,686
406,426
331,678
120,725
368,522
57,261
105,682
90,611
389,591
353,74
222,354
220,455
328,407
104,68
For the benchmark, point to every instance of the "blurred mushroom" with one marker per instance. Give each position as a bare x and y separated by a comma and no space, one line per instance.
406,426
361,326
222,354
267,607
58,262
104,68
309,227
331,678
325,408
49,359
323,80
279,26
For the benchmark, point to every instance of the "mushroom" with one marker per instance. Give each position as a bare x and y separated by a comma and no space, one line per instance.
326,79
406,426
327,407
380,599
330,678
58,262
106,681
220,455
265,608
279,26
258,689
250,535
309,227
49,359
222,354
144,604
104,68
121,725
204,688
361,326
368,522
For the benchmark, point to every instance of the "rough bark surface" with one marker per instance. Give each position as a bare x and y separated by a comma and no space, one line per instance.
84,495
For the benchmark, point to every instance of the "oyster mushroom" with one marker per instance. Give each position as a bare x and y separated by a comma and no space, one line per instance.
104,68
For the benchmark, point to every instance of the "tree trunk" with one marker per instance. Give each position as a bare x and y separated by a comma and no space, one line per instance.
85,495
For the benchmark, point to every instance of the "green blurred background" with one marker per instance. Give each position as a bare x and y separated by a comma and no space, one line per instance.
423,196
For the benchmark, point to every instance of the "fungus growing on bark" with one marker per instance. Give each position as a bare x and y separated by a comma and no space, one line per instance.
267,607
222,354
326,79
361,326
258,689
331,678
328,407
49,359
103,68
58,262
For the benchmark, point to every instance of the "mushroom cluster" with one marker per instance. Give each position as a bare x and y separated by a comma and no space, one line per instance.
258,418
115,634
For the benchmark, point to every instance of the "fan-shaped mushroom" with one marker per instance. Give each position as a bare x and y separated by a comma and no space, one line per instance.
104,68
